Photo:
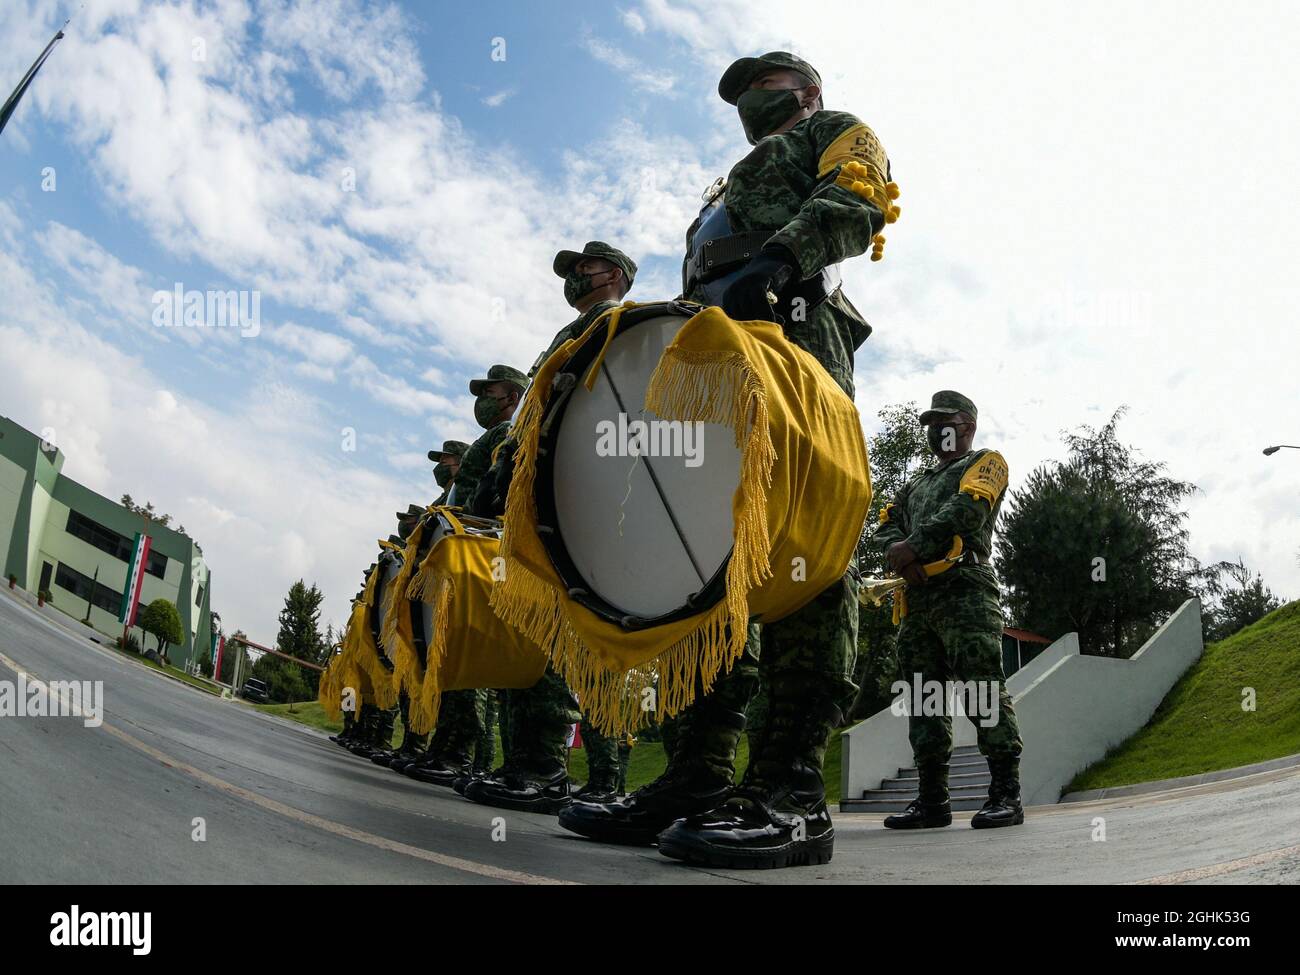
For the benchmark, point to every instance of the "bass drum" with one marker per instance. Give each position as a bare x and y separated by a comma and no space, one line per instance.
389,565
464,644
634,511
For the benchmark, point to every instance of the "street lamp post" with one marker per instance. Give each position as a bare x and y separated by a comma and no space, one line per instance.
1270,451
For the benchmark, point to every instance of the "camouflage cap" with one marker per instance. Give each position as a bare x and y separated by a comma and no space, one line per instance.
499,374
946,402
456,448
735,80
565,260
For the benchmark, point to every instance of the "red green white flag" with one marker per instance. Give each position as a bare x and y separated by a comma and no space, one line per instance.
134,580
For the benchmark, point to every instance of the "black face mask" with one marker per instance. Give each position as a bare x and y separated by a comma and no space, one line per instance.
442,474
936,434
763,110
578,286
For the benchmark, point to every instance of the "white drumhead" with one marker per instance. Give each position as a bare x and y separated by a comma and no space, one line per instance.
643,552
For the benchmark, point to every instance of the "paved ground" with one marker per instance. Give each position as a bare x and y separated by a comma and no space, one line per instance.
116,804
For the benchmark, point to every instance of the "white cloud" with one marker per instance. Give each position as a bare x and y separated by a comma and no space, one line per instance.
497,99
654,80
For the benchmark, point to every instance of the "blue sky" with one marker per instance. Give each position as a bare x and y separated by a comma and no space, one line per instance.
1090,218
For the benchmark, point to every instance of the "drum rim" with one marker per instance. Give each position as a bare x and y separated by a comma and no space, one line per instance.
579,589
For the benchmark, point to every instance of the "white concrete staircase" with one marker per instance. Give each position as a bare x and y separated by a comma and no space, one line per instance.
968,784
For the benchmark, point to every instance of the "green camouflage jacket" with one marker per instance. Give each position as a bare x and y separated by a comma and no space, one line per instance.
788,184
572,331
961,497
477,461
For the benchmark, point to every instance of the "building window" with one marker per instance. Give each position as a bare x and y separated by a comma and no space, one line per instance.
198,597
85,587
114,543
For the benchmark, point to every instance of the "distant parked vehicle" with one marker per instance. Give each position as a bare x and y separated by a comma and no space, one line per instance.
255,690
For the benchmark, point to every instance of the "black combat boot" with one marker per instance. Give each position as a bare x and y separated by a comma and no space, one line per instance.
1004,807
367,732
931,808
778,815
442,767
601,787
698,778
345,736
535,777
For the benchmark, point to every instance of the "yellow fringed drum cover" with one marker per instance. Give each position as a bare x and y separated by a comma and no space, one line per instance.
798,510
469,646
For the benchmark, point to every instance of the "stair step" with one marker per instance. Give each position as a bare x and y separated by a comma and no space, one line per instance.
956,768
962,804
975,789
953,781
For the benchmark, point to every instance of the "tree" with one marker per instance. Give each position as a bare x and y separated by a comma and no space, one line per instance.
299,637
1098,544
897,453
145,511
1246,602
161,619
234,648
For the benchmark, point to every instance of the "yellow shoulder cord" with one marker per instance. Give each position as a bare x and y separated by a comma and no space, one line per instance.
931,569
614,314
456,525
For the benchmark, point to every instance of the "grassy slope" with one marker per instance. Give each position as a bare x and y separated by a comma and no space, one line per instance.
647,757
1201,727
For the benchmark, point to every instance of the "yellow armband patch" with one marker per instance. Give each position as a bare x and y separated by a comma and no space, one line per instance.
986,478
857,143
884,514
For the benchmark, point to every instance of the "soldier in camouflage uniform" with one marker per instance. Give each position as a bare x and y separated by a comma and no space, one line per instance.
462,714
952,630
813,192
534,775
415,748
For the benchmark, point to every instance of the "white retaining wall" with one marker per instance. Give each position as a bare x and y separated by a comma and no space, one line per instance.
1072,709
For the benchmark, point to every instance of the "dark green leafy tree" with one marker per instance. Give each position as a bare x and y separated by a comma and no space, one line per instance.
1098,544
1242,599
299,637
161,620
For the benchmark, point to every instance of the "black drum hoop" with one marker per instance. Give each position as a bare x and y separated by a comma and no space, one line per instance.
579,589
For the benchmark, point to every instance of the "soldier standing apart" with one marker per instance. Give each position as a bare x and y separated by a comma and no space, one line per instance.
952,629
534,775
813,192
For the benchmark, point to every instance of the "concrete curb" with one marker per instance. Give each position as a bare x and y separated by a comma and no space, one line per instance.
77,629
1162,785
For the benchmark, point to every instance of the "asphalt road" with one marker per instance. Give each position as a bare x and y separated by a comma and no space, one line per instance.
117,804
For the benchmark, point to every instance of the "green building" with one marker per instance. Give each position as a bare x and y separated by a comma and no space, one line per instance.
59,536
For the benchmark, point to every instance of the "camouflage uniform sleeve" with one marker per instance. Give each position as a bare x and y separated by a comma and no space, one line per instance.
893,523
963,512
836,222
476,462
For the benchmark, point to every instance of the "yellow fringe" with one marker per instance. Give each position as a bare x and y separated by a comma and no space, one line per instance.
424,707
691,386
396,634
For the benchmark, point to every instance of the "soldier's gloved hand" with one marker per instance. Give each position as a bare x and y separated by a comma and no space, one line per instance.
914,573
746,299
900,554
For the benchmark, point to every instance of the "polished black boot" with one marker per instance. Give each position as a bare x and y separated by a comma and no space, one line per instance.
778,815
698,778
534,789
931,809
1004,807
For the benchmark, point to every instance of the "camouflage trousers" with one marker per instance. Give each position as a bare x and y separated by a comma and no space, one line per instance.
485,749
804,665
953,632
602,755
539,719
411,742
460,723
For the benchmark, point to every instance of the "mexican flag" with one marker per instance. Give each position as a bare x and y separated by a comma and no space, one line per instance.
134,580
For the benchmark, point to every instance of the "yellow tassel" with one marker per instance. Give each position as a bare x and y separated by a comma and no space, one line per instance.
396,634
892,190
424,706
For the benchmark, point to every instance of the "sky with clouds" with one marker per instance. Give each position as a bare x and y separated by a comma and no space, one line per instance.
1095,206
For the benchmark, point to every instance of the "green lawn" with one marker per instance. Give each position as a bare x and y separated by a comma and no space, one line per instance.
647,760
1201,726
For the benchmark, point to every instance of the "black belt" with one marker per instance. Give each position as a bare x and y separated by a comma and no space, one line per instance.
720,256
